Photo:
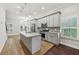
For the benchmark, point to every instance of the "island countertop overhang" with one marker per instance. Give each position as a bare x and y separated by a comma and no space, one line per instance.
30,34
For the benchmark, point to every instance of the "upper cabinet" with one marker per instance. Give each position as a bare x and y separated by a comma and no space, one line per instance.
41,21
53,20
56,20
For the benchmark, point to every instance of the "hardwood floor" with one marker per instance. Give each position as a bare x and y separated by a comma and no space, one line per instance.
62,50
14,47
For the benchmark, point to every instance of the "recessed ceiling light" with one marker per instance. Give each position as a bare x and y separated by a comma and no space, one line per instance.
18,7
29,16
17,12
42,8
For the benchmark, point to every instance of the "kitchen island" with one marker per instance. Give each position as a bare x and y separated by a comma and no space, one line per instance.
31,40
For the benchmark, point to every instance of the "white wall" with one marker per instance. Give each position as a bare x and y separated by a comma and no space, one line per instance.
3,36
16,25
70,11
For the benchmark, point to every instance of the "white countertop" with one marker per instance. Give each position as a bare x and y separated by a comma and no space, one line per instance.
53,32
30,34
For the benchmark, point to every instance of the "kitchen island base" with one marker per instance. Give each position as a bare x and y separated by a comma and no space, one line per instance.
32,41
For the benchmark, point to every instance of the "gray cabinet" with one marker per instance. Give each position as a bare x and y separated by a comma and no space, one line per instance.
46,35
52,37
53,20
56,20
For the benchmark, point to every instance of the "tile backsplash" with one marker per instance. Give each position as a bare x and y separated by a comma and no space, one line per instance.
54,30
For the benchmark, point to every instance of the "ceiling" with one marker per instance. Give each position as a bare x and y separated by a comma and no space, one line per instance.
31,9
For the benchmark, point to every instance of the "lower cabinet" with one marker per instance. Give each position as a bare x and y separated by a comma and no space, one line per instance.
52,37
46,36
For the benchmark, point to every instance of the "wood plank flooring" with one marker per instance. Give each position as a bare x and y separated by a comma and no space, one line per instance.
14,47
62,50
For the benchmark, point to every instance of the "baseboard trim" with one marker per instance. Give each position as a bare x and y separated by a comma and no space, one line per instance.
13,34
69,45
3,46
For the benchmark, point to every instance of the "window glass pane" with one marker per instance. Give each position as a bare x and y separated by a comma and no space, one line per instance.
62,31
69,32
68,27
64,23
66,32
73,32
73,22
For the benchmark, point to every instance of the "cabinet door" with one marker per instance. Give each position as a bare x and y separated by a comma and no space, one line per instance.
51,21
48,37
56,20
53,38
